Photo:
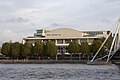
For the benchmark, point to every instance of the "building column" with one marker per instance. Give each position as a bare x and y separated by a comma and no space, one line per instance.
88,40
23,41
79,41
63,41
55,41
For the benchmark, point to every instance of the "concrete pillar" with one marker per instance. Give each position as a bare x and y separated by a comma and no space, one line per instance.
63,41
23,41
55,41
79,41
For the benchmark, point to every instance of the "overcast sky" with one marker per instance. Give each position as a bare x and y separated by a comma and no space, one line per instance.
20,18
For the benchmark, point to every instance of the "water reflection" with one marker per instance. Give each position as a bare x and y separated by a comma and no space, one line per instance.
58,72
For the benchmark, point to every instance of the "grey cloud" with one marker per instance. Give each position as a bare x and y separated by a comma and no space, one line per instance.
112,1
8,35
107,21
18,20
15,20
55,24
25,16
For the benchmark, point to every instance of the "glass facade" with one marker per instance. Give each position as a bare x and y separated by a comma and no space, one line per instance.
83,40
94,32
90,40
62,49
67,41
40,31
75,40
53,40
60,41
53,34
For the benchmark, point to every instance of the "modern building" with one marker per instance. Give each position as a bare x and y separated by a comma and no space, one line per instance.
98,34
63,36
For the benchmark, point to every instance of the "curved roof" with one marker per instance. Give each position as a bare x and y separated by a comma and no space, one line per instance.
65,32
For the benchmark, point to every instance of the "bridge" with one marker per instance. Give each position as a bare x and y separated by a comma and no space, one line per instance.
114,48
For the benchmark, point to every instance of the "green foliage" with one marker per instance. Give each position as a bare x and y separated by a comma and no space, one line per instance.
50,48
38,48
27,49
85,48
101,39
21,51
6,49
74,47
106,48
108,44
15,49
95,46
45,53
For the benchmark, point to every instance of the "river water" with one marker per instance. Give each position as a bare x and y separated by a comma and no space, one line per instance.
59,72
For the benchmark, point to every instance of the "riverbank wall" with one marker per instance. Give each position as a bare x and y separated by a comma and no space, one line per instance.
42,62
49,62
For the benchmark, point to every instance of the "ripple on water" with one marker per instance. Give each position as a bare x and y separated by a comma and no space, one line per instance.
58,72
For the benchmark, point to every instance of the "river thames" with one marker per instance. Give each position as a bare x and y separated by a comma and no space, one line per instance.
59,72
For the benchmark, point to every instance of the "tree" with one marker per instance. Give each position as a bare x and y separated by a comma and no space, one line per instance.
95,46
21,56
101,39
15,49
38,48
106,48
85,48
6,49
108,44
73,48
26,50
50,48
45,53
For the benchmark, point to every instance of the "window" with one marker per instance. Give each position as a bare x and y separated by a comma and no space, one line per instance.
53,34
59,34
60,41
90,40
75,40
39,31
67,41
53,41
83,40
48,34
